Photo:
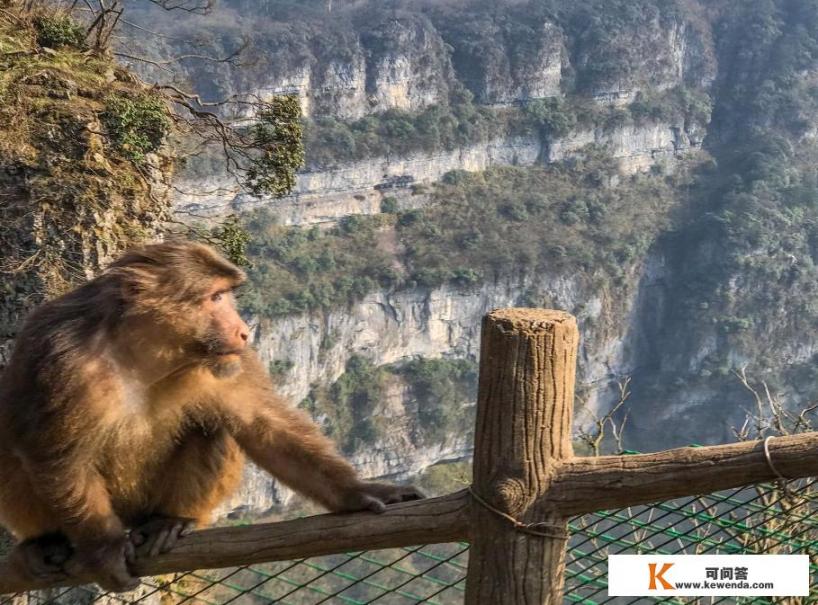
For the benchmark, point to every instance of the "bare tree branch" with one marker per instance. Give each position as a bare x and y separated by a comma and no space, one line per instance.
199,8
595,436
230,58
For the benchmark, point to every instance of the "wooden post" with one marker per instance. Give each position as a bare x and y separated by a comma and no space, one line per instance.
524,408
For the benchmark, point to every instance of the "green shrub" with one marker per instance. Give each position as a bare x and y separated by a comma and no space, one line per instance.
478,226
455,177
56,31
389,205
348,405
398,132
672,105
137,125
441,388
297,269
277,138
233,238
279,368
553,117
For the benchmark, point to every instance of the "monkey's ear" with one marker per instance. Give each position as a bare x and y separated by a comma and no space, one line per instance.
134,285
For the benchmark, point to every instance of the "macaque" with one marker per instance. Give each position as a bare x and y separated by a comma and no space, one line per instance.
125,413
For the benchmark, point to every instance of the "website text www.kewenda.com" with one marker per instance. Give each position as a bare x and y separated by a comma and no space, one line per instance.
723,585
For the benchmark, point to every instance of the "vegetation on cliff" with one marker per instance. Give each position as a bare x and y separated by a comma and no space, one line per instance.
86,157
743,269
355,410
81,168
736,239
478,227
462,123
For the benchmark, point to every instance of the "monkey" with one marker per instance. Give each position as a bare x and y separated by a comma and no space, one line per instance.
127,410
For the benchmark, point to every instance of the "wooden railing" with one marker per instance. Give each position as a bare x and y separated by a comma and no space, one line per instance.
527,481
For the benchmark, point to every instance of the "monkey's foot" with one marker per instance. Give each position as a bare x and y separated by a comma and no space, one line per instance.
159,534
44,557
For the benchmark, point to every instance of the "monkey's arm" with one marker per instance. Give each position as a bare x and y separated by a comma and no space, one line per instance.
288,444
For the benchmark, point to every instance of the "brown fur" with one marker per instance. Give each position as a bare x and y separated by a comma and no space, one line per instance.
129,398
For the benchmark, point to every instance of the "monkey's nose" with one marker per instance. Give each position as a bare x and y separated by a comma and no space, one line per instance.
243,332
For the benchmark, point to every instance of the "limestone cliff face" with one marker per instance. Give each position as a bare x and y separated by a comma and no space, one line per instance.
636,146
407,65
364,60
651,54
504,63
412,60
392,327
337,70
326,195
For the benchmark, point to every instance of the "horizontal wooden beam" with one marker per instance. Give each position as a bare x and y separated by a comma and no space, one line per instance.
579,485
431,521
584,485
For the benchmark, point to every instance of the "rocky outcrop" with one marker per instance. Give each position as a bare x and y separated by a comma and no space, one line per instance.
407,65
343,72
637,147
358,187
614,62
389,327
505,63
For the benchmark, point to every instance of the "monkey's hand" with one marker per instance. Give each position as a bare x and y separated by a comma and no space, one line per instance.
106,561
159,534
369,495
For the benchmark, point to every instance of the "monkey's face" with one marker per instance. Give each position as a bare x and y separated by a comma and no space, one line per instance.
213,329
224,334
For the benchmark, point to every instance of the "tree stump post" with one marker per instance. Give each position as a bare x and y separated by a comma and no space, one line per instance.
524,412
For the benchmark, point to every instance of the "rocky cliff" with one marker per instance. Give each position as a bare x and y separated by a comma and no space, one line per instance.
393,327
72,194
725,287
359,59
416,61
364,61
327,195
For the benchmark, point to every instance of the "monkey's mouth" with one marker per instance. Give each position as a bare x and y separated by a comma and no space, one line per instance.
229,353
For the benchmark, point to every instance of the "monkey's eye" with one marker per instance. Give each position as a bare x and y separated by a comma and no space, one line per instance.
217,297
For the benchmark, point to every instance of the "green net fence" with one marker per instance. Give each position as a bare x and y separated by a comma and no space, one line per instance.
760,519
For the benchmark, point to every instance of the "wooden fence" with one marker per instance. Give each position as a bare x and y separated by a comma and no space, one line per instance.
526,483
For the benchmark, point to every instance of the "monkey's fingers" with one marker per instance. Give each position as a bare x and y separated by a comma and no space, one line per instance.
170,535
130,552
412,493
373,504
403,494
160,535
